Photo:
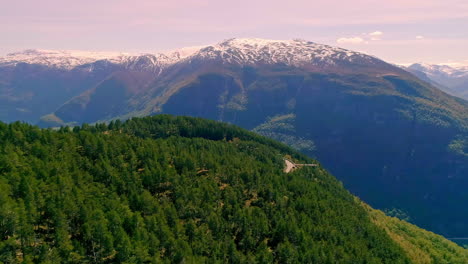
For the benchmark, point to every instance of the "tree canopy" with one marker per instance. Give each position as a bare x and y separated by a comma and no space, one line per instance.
169,189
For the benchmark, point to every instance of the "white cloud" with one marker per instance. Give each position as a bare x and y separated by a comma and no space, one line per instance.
419,37
353,40
366,37
376,35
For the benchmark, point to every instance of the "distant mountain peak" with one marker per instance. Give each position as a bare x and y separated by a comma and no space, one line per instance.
63,59
452,78
294,52
440,69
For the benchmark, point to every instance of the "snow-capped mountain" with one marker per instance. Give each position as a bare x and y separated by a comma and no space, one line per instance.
28,78
244,51
452,79
70,59
62,59
296,52
437,71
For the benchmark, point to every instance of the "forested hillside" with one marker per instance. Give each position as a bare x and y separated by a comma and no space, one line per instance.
180,190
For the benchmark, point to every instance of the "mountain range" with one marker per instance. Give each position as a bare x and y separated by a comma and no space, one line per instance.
395,140
451,79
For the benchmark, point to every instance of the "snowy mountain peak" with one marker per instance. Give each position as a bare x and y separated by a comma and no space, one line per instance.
69,59
295,52
243,51
66,59
440,70
452,78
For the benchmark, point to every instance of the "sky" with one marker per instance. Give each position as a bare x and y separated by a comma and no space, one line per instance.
397,31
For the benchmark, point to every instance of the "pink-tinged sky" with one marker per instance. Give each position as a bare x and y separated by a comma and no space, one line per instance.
397,31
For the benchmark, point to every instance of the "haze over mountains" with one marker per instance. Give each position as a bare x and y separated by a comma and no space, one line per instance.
395,140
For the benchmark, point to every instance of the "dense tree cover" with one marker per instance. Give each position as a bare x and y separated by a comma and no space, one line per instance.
282,129
172,190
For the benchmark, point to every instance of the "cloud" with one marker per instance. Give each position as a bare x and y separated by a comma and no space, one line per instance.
352,40
419,37
376,35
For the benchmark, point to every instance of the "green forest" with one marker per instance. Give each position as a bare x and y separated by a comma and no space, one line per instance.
167,189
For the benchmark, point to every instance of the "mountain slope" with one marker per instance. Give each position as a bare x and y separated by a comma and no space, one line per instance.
420,245
29,91
34,83
166,189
